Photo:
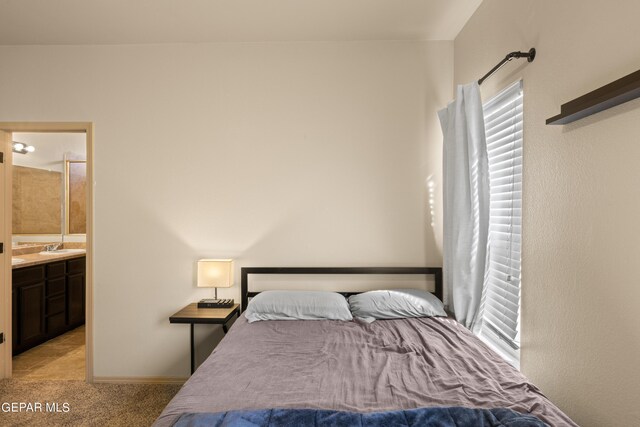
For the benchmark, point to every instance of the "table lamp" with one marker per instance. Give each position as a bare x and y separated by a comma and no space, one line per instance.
215,273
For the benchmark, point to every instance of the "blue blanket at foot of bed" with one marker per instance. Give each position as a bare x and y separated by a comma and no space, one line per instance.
436,417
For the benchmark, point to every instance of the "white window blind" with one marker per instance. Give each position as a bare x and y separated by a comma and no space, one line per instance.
503,117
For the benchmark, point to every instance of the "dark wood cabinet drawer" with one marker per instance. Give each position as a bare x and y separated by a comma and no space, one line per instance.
55,305
56,323
76,265
56,269
28,275
55,286
75,300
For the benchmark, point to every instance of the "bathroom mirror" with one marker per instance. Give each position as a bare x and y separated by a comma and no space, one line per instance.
37,199
49,186
76,197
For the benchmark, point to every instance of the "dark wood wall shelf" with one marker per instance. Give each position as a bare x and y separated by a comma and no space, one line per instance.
610,95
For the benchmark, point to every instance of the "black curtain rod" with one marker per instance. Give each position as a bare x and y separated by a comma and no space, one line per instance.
531,55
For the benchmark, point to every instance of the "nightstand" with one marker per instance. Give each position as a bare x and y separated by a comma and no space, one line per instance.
191,314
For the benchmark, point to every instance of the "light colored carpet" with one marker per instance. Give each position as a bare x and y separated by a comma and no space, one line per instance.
89,404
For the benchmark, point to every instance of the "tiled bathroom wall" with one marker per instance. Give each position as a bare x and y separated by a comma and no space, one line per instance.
36,201
77,197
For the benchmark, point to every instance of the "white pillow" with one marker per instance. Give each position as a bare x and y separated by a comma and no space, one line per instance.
395,304
297,305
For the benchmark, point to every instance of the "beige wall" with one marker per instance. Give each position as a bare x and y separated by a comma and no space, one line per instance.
581,229
37,202
281,154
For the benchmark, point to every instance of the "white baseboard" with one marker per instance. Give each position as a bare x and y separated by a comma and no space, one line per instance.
139,380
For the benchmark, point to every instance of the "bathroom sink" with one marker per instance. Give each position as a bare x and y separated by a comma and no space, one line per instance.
63,251
15,261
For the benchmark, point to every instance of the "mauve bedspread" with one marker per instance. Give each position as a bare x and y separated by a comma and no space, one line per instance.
456,416
351,366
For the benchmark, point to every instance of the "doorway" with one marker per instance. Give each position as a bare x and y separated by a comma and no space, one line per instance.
58,294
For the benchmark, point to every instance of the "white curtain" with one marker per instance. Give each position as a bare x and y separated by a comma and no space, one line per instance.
466,203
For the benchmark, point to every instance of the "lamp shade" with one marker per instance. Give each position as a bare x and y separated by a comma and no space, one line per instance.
215,273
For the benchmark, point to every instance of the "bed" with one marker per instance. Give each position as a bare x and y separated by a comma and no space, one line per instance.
356,367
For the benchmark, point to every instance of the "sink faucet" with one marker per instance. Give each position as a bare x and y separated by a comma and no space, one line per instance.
52,247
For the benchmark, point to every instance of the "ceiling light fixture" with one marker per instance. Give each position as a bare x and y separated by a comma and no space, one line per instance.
19,147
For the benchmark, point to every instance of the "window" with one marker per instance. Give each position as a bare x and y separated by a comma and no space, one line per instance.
503,116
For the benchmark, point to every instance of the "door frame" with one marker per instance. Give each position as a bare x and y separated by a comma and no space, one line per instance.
5,282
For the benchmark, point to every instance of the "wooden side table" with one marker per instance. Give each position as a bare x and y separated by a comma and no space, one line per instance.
191,314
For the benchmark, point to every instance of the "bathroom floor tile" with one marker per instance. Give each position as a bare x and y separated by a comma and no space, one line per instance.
62,358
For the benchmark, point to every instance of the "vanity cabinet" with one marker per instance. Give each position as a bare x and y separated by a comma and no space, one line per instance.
28,307
48,300
75,292
31,330
55,309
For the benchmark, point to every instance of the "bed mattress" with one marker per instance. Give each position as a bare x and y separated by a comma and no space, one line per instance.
352,366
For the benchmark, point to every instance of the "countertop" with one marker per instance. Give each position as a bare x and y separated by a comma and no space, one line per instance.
36,259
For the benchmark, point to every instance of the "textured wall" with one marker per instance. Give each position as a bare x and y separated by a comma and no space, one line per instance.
37,201
281,154
581,194
77,215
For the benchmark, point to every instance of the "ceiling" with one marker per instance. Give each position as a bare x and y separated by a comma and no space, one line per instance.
198,21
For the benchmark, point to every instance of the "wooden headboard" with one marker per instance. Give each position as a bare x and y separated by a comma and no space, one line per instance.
246,271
